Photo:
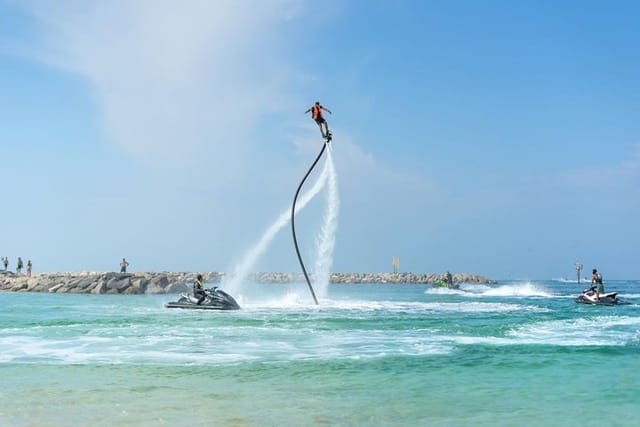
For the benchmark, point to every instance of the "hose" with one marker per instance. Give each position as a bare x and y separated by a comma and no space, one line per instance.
293,224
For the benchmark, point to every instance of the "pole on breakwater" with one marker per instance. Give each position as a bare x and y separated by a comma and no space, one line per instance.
578,269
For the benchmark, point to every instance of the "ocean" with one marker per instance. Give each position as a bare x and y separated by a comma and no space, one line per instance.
517,353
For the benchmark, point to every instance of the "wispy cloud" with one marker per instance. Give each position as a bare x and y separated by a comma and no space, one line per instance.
609,177
173,81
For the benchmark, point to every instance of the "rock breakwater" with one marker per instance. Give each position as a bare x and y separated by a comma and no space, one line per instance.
170,282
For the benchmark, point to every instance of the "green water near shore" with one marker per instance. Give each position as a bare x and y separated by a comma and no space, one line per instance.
509,354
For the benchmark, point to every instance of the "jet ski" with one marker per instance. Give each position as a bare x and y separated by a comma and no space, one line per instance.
440,283
589,297
216,299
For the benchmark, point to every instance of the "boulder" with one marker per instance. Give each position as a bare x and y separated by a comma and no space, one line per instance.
119,284
99,288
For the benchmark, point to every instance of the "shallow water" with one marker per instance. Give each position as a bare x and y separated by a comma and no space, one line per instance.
515,353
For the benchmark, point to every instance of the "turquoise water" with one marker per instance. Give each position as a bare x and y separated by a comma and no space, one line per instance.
514,353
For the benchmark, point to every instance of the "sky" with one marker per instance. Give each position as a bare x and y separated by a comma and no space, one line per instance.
489,137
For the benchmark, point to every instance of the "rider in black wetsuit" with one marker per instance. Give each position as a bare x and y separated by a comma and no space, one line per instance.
198,289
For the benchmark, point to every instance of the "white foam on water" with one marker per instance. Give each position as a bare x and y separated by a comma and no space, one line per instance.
474,340
118,350
273,296
628,295
597,331
477,288
198,346
441,290
290,300
26,348
294,302
527,289
480,307
563,280
271,337
331,344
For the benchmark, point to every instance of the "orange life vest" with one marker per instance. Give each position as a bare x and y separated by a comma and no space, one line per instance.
316,112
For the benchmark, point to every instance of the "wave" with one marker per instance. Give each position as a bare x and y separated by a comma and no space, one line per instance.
272,341
623,295
528,289
186,346
444,291
265,336
293,302
596,331
564,280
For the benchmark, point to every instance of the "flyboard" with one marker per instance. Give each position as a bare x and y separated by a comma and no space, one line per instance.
328,137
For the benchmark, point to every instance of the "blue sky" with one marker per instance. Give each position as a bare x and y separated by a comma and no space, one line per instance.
493,137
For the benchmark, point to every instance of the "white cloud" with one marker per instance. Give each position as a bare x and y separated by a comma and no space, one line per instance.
624,175
174,81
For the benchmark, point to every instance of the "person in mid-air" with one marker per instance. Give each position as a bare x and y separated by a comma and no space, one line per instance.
316,114
198,289
596,281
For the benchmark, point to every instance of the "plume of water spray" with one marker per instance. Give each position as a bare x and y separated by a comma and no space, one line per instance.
326,240
240,272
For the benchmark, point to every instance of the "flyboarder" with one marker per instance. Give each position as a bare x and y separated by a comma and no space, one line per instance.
316,114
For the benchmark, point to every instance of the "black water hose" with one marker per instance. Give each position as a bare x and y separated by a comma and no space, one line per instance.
293,224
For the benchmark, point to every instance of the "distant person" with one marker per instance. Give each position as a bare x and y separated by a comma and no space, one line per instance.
316,114
596,281
449,279
5,261
123,266
19,266
198,289
29,267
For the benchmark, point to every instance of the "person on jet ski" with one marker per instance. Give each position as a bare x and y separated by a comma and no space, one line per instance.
198,289
596,282
449,280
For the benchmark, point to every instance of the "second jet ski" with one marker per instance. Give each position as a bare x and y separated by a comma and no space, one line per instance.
215,299
589,296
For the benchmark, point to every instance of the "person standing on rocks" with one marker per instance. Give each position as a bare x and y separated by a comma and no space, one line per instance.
29,267
19,266
198,289
123,266
5,261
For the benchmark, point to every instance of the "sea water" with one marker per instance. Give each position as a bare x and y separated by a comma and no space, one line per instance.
512,354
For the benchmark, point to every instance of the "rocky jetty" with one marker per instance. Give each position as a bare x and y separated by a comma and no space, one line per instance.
373,278
407,278
104,283
168,282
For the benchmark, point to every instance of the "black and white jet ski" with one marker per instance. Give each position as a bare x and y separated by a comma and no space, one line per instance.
589,297
216,299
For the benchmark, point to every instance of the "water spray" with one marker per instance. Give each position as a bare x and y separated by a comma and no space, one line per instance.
242,269
326,239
